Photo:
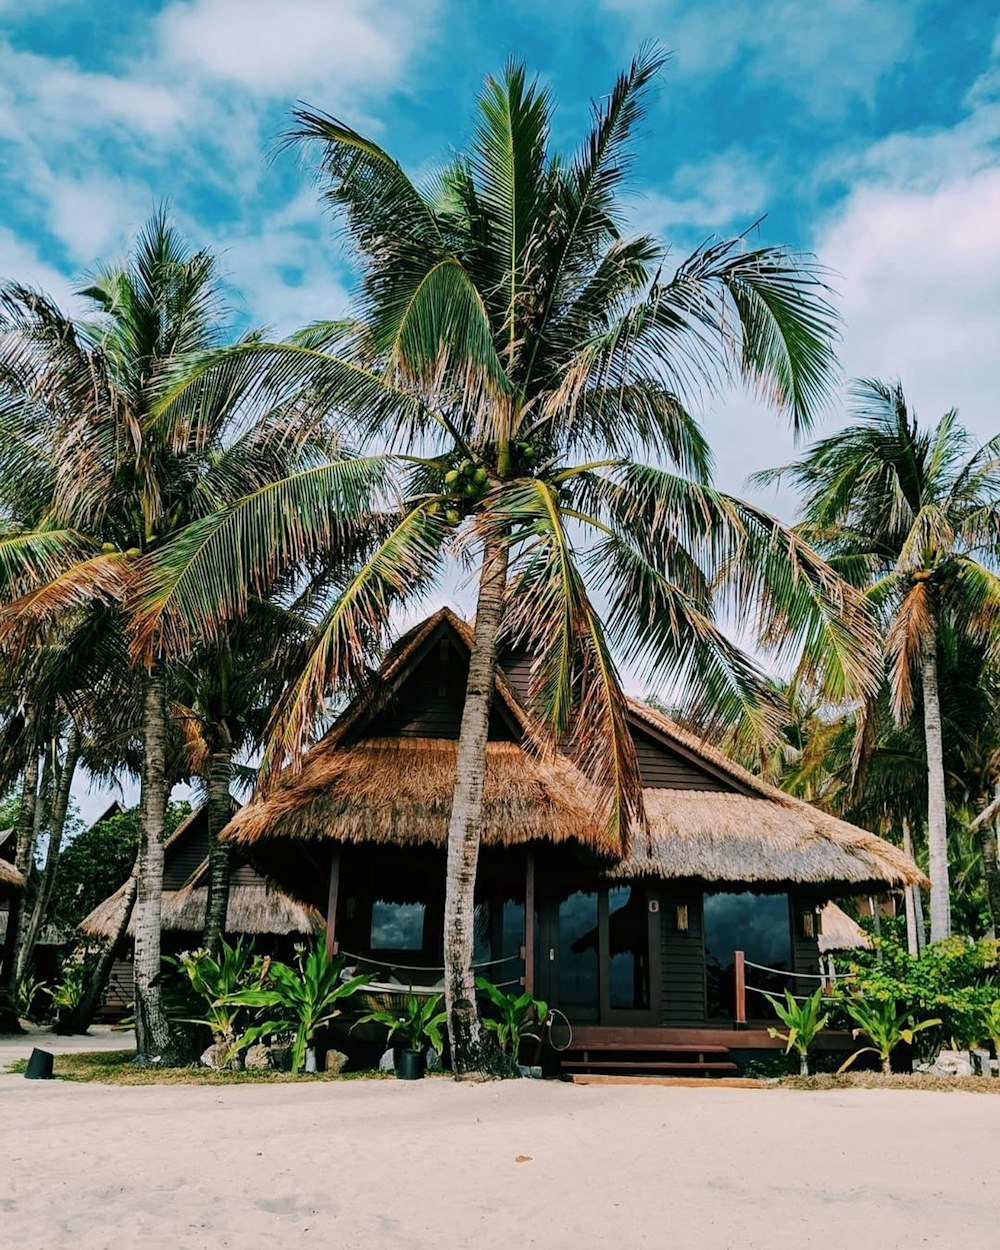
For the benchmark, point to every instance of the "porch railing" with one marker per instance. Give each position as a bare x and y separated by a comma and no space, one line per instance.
742,987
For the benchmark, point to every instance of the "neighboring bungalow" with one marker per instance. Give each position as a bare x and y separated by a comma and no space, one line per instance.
256,908
10,880
640,957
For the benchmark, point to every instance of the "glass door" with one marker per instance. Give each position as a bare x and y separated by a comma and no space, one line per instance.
628,983
597,961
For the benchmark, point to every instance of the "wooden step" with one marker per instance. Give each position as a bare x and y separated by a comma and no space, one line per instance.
657,1048
635,1065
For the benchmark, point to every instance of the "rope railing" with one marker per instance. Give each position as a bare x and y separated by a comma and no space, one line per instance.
805,976
395,967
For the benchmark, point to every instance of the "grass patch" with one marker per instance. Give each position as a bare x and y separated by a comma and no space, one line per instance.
118,1067
876,1080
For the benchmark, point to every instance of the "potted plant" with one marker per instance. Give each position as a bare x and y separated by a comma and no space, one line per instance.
418,1026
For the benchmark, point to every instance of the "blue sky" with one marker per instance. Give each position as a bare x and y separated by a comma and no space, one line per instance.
865,130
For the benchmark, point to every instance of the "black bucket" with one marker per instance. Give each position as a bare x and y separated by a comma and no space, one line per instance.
410,1065
39,1066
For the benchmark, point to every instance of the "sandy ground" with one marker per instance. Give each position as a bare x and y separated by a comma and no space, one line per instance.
439,1164
100,1037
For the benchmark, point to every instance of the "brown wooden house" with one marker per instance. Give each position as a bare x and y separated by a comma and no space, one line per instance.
256,908
638,956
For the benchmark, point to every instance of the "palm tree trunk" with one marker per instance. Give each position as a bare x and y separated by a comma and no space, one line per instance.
219,852
912,943
79,1020
937,814
57,826
465,826
152,1032
23,855
988,833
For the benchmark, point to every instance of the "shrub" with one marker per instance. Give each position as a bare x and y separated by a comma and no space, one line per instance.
951,981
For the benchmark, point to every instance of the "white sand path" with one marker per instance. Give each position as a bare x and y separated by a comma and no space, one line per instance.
434,1164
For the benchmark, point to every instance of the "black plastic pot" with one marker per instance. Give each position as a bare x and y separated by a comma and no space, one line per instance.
40,1066
411,1065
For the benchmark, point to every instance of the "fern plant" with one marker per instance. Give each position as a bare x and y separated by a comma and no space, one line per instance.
803,1020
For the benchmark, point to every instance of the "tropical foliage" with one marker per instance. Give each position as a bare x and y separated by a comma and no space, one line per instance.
516,1016
804,1021
297,999
533,370
912,516
420,1024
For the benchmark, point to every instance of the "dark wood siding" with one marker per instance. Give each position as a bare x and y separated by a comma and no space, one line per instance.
663,769
805,950
516,667
428,704
186,854
682,958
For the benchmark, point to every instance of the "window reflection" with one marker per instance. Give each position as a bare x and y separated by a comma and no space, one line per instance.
757,924
397,926
628,939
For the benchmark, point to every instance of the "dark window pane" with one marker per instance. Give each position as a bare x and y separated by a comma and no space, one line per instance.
628,937
757,924
577,952
482,951
397,926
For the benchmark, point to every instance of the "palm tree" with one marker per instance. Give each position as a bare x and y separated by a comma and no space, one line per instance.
522,359
223,697
108,482
913,516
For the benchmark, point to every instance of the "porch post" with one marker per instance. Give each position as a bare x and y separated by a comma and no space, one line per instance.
331,902
528,949
739,968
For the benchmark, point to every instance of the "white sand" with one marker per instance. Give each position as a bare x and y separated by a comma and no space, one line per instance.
434,1164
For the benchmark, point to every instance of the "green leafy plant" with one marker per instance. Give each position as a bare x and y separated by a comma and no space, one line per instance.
884,1025
803,1020
297,1000
213,983
515,1015
990,1024
28,998
420,1024
68,991
952,981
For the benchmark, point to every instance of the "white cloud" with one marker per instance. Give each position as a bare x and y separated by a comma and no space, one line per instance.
827,54
730,187
294,46
917,250
21,261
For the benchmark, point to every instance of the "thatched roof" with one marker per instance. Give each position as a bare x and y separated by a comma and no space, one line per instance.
253,909
838,932
257,908
10,878
754,833
399,791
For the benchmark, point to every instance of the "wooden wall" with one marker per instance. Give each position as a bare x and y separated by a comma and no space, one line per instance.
682,958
